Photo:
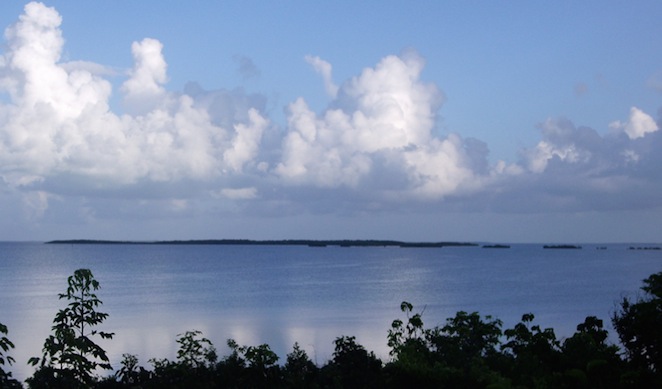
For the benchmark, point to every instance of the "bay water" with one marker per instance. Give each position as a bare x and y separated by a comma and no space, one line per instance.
311,295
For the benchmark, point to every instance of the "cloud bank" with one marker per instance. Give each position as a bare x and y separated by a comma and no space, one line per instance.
376,146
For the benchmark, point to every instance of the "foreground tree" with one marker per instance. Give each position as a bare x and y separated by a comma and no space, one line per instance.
467,349
459,354
196,358
588,360
639,325
407,339
70,356
299,371
6,380
413,362
352,366
534,353
129,375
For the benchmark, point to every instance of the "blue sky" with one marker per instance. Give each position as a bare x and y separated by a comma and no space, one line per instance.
491,121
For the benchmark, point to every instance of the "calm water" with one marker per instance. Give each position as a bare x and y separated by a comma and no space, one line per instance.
279,294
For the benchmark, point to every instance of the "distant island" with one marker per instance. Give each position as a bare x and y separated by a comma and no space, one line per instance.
286,242
562,246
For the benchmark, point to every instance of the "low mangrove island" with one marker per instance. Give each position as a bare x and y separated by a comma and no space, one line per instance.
284,242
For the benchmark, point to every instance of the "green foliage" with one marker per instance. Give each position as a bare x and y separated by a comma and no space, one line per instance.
6,380
232,368
299,371
252,366
70,356
638,324
468,351
194,368
457,354
407,336
195,352
535,353
412,363
129,371
5,346
465,347
588,352
352,366
131,374
466,337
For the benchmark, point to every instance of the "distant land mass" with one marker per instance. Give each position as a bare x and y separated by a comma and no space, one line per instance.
287,242
496,246
562,246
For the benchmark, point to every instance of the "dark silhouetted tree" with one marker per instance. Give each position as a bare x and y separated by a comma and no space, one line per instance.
535,353
194,368
466,347
70,356
412,363
6,380
639,327
352,366
131,375
299,371
406,340
588,359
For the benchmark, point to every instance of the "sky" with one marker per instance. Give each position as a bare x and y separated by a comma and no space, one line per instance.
494,121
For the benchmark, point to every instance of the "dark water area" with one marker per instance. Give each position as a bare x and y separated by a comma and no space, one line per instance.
311,295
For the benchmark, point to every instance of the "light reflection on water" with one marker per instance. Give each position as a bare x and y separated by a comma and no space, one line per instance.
279,294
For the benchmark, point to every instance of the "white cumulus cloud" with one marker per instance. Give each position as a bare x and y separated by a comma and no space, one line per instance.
385,116
376,144
639,124
58,120
144,89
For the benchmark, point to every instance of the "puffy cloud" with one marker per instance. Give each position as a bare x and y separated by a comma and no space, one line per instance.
34,42
577,169
386,117
58,121
314,153
144,89
245,144
375,137
389,105
639,124
38,129
565,143
325,70
560,142
377,144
